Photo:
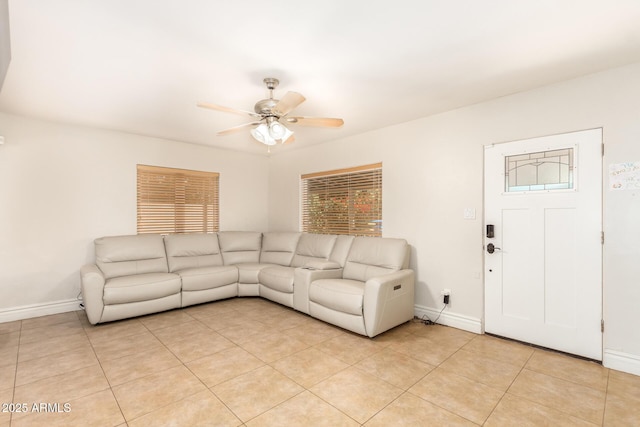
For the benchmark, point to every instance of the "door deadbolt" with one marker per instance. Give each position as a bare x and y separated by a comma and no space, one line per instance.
491,248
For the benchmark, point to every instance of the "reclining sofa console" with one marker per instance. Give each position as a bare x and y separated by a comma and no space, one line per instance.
362,284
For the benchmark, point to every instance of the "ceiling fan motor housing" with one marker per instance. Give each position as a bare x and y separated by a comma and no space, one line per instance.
264,107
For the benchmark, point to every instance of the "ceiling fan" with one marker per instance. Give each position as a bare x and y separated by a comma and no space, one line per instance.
271,115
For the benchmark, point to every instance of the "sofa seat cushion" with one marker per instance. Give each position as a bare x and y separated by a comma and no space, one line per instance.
278,278
140,287
342,295
248,272
201,278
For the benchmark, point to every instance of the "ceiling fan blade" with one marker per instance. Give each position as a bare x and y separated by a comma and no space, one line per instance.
315,121
289,140
236,128
227,109
288,102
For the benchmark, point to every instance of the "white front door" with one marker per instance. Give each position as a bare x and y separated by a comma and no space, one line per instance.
543,281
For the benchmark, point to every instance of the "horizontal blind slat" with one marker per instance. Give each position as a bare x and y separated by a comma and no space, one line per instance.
177,200
345,201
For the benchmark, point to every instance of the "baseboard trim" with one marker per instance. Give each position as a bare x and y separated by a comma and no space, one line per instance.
37,310
620,361
455,320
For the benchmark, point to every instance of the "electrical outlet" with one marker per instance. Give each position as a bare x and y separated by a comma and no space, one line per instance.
446,295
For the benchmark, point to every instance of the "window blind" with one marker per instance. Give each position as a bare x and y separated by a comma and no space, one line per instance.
343,201
177,200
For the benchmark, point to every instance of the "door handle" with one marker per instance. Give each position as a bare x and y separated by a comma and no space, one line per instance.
491,248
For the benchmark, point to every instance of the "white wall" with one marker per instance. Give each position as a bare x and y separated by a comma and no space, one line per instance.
433,169
5,40
63,186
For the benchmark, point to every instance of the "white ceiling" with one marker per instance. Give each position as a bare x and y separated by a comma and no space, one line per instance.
141,66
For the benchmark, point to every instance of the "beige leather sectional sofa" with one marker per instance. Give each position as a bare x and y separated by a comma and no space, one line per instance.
362,284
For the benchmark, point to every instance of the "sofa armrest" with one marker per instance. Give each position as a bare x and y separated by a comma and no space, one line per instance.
388,301
321,265
92,282
302,278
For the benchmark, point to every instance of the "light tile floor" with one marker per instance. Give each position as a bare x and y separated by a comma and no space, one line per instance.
247,361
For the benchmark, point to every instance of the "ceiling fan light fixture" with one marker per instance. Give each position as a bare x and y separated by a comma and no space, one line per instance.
261,134
277,130
287,134
271,133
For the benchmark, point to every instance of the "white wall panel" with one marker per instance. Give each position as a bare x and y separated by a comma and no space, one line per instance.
63,186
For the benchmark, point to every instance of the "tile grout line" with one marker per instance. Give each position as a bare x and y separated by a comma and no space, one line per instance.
554,377
193,373
331,404
606,398
510,384
353,365
15,373
568,379
182,363
436,367
46,378
270,364
404,391
104,374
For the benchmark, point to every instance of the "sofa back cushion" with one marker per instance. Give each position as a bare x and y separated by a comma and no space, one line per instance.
192,250
240,246
278,247
120,256
313,247
374,256
341,249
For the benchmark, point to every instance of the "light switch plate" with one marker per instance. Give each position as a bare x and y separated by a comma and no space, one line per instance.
469,213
